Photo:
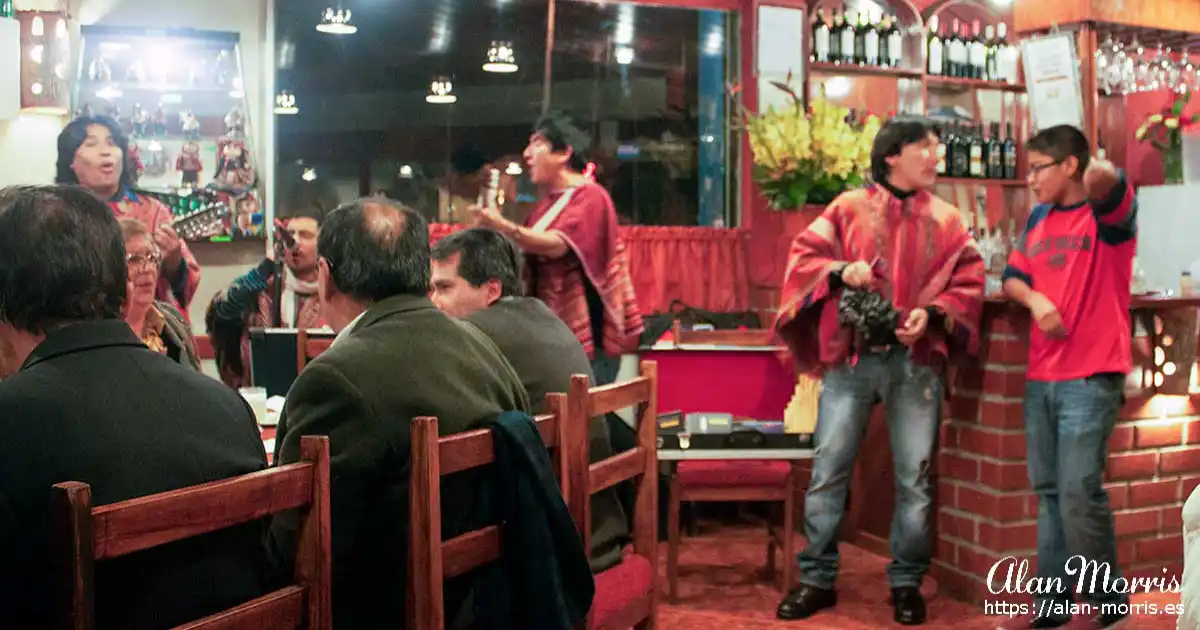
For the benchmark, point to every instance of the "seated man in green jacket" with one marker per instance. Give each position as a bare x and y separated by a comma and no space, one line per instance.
476,277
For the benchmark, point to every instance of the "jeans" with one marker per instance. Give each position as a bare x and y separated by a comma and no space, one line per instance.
912,394
1067,425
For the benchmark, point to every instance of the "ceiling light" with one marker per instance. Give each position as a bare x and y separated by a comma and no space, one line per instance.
405,172
309,174
513,169
441,92
624,55
285,104
336,22
501,58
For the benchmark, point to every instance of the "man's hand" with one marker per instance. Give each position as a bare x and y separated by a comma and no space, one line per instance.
857,275
913,327
1100,178
169,244
1046,316
485,216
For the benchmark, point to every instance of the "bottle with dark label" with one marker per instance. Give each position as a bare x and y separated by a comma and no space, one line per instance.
870,30
935,48
960,153
820,38
860,39
835,38
895,43
846,34
976,154
1009,150
995,153
942,167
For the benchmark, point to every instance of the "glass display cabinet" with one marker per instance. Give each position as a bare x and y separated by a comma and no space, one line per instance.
178,95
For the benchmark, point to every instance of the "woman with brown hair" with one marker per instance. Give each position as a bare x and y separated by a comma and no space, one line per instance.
156,323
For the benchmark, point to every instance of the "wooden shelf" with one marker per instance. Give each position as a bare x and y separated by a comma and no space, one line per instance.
958,84
1007,183
853,69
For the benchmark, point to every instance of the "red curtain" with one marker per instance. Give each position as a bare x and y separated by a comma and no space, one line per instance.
700,266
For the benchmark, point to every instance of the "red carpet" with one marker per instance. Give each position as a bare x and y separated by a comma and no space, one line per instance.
722,587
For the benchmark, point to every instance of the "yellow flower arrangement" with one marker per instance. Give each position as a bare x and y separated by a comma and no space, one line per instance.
1164,132
808,155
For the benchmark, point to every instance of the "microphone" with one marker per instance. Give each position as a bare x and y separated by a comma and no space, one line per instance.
284,236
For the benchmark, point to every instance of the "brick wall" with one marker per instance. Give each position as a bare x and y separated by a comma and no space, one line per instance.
985,509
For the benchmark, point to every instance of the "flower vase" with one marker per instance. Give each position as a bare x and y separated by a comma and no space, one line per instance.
1172,159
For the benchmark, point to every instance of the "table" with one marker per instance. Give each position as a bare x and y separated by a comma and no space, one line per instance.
746,381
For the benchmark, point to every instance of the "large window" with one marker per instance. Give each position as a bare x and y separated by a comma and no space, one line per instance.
649,83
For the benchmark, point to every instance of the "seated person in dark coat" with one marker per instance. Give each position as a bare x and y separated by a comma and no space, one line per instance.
85,400
395,358
476,276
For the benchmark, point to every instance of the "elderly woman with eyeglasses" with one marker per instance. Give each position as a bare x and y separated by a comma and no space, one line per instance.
157,323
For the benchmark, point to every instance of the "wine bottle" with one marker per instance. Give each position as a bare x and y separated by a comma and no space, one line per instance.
995,157
957,51
960,154
895,43
870,40
1007,56
942,133
847,37
934,48
991,70
976,155
976,52
1010,154
835,37
820,38
860,39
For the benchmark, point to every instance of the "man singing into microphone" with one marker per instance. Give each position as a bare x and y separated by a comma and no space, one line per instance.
249,301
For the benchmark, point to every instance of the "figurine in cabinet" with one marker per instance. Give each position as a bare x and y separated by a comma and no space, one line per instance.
246,208
235,124
234,171
135,73
156,159
100,71
190,125
140,119
133,161
159,121
114,113
189,164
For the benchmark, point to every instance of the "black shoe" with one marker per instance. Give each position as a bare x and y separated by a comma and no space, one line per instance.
908,605
805,602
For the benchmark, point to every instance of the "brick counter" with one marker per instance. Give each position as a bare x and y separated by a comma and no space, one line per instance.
985,508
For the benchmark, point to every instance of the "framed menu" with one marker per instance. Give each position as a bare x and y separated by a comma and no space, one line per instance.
1052,80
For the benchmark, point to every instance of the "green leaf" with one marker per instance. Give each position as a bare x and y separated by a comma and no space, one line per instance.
1177,108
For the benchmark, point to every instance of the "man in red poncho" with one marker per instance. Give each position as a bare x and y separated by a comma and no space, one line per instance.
896,238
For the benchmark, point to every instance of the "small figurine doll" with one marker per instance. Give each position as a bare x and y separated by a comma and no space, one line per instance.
100,71
133,161
156,159
190,125
234,171
114,113
140,119
247,207
235,124
189,164
135,73
159,121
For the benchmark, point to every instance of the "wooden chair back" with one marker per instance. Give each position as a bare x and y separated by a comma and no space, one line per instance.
309,347
110,531
584,479
747,338
432,560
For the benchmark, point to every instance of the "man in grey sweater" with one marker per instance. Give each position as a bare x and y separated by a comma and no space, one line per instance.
476,277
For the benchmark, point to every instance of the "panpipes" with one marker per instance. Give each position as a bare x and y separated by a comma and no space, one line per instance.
800,416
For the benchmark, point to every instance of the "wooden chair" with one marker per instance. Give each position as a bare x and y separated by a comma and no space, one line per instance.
627,594
119,529
431,560
309,347
743,480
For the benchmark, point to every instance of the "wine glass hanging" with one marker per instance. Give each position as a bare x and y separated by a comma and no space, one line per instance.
1127,68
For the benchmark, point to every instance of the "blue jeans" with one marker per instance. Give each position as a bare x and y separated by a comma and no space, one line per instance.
913,396
1067,425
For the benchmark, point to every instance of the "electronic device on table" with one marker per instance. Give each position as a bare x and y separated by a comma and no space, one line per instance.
724,431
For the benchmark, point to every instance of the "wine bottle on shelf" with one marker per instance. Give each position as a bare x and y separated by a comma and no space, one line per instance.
960,164
934,48
991,70
1009,150
835,37
860,39
846,34
1007,56
956,51
871,40
976,154
995,157
895,43
820,38
942,133
976,52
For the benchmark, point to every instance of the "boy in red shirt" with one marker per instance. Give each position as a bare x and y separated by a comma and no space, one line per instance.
1072,269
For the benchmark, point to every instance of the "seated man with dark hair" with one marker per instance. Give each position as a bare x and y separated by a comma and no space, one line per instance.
395,358
476,276
85,399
